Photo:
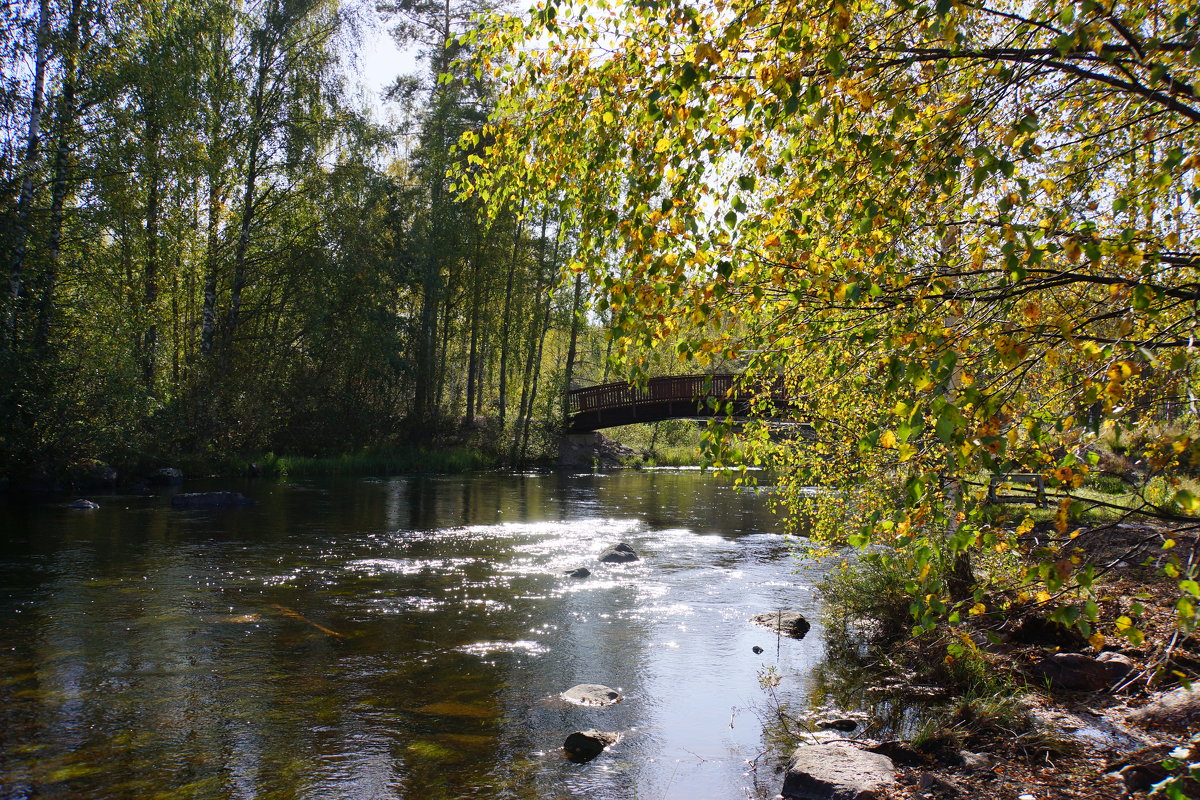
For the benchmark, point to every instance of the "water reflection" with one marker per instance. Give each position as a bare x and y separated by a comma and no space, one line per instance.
400,638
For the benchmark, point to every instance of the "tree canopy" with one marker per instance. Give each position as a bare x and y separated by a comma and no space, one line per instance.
962,234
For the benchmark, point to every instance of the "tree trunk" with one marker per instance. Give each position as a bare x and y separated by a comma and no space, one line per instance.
150,276
60,185
473,345
523,408
545,328
28,166
506,315
572,345
249,197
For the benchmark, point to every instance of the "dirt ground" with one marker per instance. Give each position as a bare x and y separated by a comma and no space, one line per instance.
1077,745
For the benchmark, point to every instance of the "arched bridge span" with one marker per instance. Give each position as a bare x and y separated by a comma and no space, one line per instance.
671,397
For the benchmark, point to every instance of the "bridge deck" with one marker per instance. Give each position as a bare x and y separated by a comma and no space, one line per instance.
672,397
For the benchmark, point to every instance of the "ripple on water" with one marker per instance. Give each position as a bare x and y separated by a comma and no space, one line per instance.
491,648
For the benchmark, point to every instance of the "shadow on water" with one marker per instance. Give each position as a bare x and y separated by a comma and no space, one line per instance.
398,638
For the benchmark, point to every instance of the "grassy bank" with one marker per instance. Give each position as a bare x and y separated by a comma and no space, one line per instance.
388,462
668,443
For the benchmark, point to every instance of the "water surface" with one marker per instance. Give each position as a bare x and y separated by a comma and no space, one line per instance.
397,638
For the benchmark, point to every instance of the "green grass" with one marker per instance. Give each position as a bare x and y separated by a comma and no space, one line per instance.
389,462
669,443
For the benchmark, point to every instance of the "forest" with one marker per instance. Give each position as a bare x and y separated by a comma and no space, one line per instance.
214,250
950,249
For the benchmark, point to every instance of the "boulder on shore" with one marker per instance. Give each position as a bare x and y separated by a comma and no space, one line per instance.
1178,709
837,772
210,500
91,474
1080,673
585,745
619,553
785,623
167,476
591,694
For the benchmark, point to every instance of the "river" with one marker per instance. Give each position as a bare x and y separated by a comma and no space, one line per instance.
403,637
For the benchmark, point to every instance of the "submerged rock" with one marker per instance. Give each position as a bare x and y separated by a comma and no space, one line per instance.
580,572
785,623
84,505
844,725
619,554
585,745
591,694
837,772
210,500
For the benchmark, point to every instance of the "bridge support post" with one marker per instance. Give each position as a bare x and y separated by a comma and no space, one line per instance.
588,450
578,450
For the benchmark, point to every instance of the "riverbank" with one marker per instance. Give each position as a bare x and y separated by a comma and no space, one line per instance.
1013,704
97,476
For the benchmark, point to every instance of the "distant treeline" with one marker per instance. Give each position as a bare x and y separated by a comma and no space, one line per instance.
209,249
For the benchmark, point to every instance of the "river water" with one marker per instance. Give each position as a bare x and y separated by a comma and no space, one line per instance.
399,638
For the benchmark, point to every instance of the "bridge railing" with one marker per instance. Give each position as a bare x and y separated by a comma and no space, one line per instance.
656,390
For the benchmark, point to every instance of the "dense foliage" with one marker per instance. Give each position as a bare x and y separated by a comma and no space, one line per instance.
211,250
962,235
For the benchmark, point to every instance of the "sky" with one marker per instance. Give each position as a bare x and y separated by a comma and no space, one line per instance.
380,62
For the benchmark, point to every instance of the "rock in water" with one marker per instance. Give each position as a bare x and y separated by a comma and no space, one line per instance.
619,554
210,500
785,623
84,505
837,772
591,694
842,724
1077,672
585,745
581,572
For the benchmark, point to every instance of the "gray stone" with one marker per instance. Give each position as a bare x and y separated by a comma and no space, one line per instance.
785,623
901,753
581,572
976,762
210,500
844,725
585,745
1178,710
936,784
1120,662
1077,672
620,553
591,694
167,476
91,474
588,450
837,772
83,505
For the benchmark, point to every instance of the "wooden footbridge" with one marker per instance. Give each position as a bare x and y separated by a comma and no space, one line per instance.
671,397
